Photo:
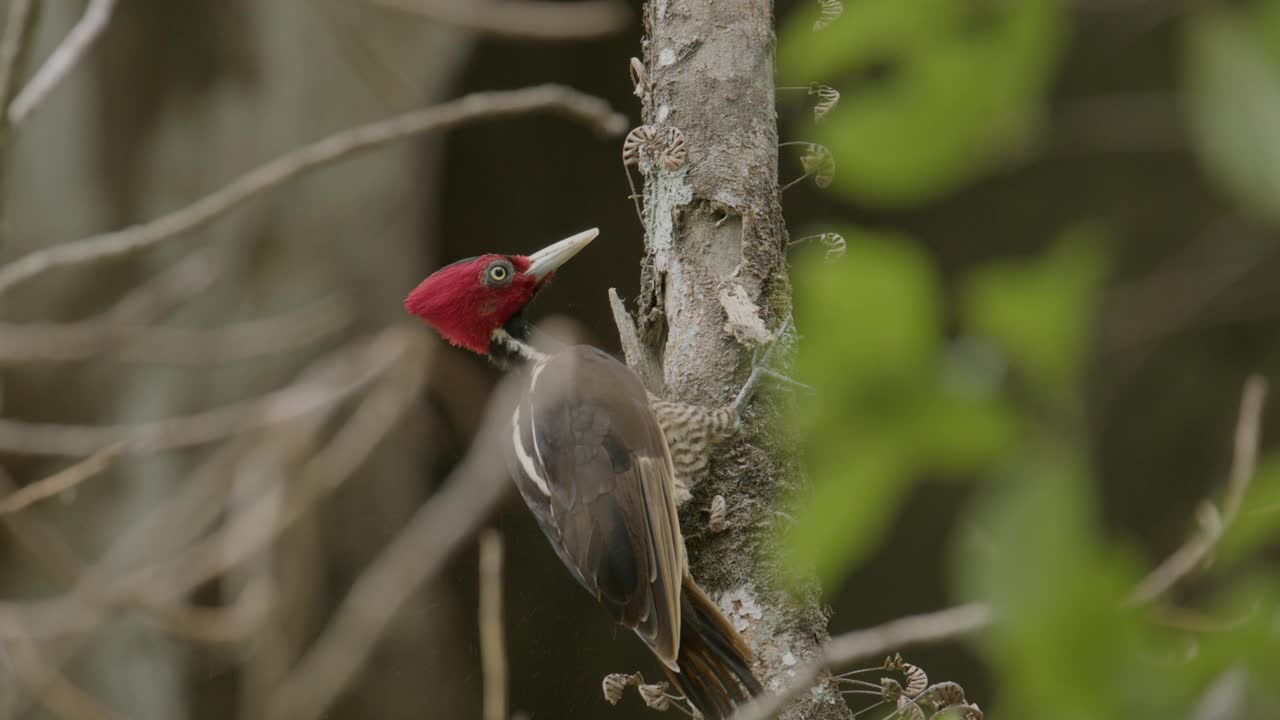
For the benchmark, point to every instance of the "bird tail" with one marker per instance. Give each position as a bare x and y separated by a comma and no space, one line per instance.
714,661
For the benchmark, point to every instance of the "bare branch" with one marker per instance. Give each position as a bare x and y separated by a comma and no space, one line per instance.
336,378
65,57
156,295
219,625
14,40
59,695
362,52
54,558
587,109
860,644
258,524
177,524
200,624
15,43
418,552
542,21
60,481
66,342
197,504
174,523
1212,522
159,586
493,652
1244,459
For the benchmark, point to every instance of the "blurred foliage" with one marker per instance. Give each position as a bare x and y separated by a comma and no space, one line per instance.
984,379
1233,101
934,92
1258,523
1039,312
901,403
893,406
1035,556
899,400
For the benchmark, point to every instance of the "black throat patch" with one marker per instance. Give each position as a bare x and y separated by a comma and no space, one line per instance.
503,354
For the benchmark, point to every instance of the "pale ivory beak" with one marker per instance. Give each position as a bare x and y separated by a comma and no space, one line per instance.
548,259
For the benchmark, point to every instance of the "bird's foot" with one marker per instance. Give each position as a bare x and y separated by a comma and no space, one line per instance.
759,372
760,369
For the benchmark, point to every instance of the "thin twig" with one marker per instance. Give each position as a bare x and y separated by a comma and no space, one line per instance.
54,558
65,57
60,481
171,524
252,528
171,530
1180,290
418,552
58,694
1244,459
542,21
261,480
15,44
210,625
362,52
587,109
493,651
860,644
47,343
14,37
223,625
152,298
335,379
1213,522
107,586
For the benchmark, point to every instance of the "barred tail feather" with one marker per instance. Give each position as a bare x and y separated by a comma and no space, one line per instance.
714,661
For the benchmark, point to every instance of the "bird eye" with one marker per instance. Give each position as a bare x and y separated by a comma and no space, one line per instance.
499,273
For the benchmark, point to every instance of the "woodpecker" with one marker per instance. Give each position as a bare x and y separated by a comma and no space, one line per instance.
603,464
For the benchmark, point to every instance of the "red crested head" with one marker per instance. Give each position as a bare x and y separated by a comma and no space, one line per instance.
470,299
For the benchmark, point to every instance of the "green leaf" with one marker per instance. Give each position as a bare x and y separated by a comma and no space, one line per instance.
858,488
1064,644
872,319
959,434
1061,645
872,332
1233,104
1041,312
886,413
935,92
1248,643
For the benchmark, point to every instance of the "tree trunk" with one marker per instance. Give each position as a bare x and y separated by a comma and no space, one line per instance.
715,246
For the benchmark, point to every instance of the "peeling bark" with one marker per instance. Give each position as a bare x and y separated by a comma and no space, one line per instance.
714,283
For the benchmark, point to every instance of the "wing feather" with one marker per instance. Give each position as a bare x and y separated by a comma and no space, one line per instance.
609,509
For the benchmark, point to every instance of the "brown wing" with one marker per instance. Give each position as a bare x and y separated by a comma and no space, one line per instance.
593,465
